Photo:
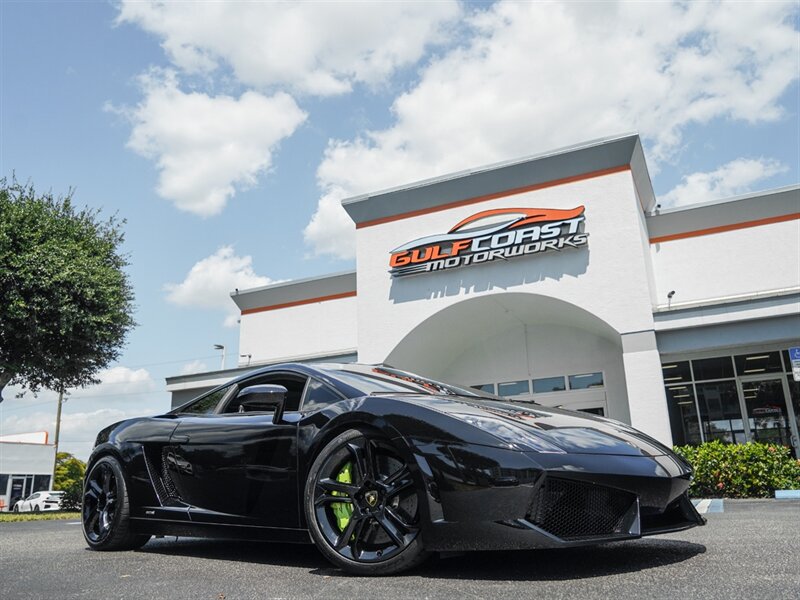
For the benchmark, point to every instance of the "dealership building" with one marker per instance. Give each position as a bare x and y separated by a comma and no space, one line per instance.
26,466
559,279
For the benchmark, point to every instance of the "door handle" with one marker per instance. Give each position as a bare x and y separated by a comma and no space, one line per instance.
179,439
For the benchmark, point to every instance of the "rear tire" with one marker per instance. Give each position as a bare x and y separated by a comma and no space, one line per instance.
105,511
366,522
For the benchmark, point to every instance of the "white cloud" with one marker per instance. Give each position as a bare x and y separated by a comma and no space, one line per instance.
211,280
736,177
123,393
319,48
207,146
536,76
78,429
196,366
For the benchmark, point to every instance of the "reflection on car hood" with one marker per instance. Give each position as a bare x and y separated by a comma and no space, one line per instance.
571,431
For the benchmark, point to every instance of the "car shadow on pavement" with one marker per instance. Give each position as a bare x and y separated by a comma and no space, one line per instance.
290,555
520,565
562,564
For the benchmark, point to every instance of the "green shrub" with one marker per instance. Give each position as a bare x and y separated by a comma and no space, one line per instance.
751,470
69,479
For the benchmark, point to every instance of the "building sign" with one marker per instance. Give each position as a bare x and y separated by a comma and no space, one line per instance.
794,357
501,233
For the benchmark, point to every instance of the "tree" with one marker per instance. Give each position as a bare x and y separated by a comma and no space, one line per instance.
69,478
65,299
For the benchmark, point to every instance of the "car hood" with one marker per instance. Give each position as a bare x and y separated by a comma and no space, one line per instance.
569,431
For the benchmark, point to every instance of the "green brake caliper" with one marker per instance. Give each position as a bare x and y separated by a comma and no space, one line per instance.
343,510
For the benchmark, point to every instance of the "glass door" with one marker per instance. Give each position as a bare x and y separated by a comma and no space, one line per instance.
768,413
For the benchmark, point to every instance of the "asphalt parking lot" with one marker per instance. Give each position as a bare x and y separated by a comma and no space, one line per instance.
751,550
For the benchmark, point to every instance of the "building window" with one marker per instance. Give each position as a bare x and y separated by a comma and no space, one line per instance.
484,387
683,415
586,380
713,368
676,372
766,409
549,384
41,483
514,388
758,362
720,414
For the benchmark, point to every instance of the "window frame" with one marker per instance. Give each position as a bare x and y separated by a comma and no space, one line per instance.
256,380
181,410
336,392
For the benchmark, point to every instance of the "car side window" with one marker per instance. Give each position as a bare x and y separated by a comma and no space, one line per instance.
318,396
295,385
206,405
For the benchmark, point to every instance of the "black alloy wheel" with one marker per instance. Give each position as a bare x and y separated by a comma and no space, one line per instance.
36,509
362,506
105,510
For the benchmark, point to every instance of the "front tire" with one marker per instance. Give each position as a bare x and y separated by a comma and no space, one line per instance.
36,509
362,506
105,512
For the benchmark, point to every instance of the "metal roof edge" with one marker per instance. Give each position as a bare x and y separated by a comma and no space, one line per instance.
553,165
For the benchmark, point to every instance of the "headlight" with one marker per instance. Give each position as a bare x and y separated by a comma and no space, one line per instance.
514,436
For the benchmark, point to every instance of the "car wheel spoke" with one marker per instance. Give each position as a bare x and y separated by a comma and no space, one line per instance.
331,485
327,498
92,522
398,481
358,537
399,520
363,454
344,537
106,480
391,529
95,487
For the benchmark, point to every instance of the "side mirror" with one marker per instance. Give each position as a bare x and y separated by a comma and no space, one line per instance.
263,398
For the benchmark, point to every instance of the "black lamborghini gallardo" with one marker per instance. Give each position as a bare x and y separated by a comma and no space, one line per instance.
378,468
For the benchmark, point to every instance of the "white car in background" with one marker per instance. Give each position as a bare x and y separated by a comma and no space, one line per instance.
40,502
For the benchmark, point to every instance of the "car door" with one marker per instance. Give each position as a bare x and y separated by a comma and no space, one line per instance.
27,504
241,467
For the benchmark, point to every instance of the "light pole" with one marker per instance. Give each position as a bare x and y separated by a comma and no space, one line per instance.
221,347
58,432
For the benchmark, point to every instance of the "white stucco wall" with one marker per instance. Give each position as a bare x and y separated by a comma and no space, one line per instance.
26,459
729,263
608,278
537,351
327,327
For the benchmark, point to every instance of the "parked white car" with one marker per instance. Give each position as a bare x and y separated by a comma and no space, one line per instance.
40,501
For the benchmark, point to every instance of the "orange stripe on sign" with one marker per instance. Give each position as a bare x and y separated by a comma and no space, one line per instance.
250,311
520,190
721,228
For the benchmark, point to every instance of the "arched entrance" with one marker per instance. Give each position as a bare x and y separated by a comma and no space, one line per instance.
525,346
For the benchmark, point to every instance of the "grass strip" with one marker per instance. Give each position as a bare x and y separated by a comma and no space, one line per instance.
11,517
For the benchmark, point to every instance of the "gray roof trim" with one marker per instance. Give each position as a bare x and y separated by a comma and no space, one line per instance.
475,184
730,211
296,291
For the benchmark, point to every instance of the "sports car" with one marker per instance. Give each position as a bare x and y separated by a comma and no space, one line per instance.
378,468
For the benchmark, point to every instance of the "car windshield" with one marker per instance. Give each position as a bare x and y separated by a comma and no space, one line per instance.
381,379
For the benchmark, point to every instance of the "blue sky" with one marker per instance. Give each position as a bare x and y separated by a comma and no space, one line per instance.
227,134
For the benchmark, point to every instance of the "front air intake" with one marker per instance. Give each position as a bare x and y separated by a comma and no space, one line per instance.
574,510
